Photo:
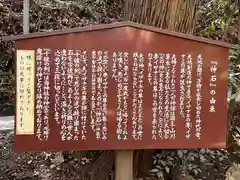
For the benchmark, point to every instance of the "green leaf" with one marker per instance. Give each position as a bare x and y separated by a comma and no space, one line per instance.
213,27
222,22
160,174
167,169
154,170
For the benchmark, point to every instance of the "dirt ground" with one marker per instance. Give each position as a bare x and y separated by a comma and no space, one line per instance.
43,166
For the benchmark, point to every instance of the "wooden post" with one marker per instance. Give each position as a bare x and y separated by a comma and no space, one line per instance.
124,165
25,16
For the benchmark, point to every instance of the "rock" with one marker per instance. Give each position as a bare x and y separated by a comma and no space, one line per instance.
58,159
52,166
29,162
238,142
1,145
233,172
6,123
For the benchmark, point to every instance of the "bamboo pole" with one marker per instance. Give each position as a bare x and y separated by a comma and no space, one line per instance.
25,16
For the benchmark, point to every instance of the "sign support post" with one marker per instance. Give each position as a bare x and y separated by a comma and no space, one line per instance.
124,165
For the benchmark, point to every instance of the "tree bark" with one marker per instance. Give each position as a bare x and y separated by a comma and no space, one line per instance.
175,15
142,162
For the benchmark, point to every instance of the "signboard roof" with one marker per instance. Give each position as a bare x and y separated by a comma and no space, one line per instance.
117,25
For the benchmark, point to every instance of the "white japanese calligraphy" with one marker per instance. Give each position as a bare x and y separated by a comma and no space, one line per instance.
199,96
189,98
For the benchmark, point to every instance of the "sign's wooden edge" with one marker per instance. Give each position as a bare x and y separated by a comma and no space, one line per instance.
117,25
65,31
184,36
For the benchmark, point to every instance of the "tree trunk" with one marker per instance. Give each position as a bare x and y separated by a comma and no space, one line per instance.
175,15
142,162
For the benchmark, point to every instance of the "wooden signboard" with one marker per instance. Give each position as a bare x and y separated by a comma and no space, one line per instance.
120,86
